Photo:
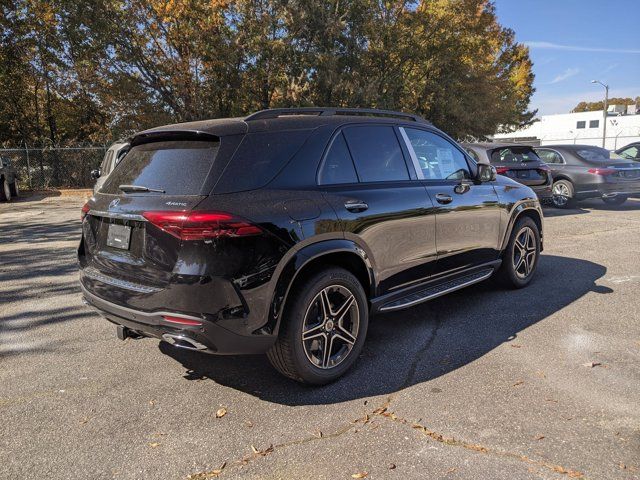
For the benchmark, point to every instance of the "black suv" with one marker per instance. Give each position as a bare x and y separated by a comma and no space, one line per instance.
283,232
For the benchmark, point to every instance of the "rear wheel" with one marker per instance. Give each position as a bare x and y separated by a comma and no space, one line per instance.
617,200
563,194
323,328
5,192
520,259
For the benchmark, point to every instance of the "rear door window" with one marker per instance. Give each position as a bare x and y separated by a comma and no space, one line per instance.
376,153
549,156
594,154
176,167
338,166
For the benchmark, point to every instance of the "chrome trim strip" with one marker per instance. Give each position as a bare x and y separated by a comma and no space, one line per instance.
412,154
101,277
120,215
437,294
95,301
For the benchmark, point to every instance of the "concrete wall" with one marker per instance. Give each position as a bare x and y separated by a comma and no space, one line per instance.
559,129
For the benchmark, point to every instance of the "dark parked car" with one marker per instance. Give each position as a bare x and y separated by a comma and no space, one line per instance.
284,231
585,171
630,152
519,162
8,180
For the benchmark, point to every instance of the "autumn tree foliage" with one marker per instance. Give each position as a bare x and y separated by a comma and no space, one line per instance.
76,71
595,106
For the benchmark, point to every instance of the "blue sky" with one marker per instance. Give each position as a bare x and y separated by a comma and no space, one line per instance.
575,41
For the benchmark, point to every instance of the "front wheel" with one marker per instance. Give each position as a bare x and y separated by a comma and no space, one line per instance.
521,256
323,328
617,200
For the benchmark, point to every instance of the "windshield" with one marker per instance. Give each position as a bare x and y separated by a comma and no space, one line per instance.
174,167
514,155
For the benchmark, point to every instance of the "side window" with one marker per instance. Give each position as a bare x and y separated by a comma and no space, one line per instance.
473,154
376,153
594,123
549,156
631,153
439,159
338,166
581,124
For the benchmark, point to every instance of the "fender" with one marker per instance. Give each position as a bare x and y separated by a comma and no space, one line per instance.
517,210
291,266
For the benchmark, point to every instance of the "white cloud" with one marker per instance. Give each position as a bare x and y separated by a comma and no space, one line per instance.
573,48
568,73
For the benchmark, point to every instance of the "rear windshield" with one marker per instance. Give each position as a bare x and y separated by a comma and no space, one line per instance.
514,155
595,154
176,167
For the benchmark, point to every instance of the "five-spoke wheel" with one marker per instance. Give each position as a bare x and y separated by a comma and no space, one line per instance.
323,329
521,255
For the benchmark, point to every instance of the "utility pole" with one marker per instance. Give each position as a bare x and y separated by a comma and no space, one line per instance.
606,105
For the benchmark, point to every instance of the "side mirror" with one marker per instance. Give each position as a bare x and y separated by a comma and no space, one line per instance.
95,174
486,173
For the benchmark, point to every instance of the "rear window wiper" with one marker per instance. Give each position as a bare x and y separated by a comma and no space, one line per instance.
138,188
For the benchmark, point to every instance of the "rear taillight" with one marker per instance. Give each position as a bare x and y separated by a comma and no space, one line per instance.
182,321
85,210
502,170
201,225
602,171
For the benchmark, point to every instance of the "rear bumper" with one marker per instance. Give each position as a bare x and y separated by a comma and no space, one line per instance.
209,337
610,190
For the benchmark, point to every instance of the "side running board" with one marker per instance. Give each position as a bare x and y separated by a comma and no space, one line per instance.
436,290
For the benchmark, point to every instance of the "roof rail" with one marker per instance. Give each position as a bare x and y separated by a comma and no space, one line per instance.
329,111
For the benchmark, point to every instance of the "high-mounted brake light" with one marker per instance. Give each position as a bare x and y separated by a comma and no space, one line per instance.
502,170
201,225
602,171
85,210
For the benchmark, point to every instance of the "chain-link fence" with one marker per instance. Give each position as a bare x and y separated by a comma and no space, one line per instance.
43,168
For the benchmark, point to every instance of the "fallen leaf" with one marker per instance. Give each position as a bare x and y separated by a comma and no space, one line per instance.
84,420
360,475
451,470
221,412
318,433
519,382
392,466
254,449
591,364
541,374
248,423
513,345
152,402
154,444
539,437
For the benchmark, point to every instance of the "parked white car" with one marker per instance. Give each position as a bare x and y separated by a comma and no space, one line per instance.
111,158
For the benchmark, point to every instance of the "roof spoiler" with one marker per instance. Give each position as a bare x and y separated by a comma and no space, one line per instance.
162,135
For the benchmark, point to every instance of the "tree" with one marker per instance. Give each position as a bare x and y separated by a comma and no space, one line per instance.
93,71
595,106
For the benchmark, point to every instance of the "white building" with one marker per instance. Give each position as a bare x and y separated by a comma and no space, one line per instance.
623,127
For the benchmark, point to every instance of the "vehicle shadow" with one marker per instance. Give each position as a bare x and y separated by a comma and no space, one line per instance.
586,206
415,345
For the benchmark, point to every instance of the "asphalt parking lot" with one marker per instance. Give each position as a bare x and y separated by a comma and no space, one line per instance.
484,383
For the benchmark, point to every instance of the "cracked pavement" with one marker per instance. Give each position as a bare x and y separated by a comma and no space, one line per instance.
483,383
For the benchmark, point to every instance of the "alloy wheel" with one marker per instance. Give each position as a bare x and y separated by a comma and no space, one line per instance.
330,327
524,252
561,194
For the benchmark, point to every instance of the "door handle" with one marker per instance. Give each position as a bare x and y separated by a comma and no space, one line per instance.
356,206
443,198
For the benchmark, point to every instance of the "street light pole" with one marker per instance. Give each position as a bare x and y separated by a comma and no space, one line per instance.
606,105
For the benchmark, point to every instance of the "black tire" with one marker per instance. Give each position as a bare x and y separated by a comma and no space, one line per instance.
292,356
617,200
567,199
5,190
512,273
13,188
